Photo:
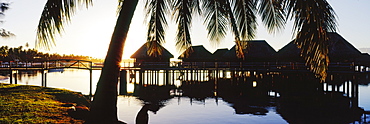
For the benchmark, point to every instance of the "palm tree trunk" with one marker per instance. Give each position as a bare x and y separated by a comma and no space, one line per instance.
104,105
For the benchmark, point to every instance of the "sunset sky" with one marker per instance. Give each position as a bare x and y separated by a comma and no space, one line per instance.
90,31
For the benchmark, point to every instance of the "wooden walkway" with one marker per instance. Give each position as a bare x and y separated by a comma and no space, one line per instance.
171,71
44,67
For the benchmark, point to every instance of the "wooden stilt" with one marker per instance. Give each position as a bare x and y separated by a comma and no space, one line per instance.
11,76
123,83
16,77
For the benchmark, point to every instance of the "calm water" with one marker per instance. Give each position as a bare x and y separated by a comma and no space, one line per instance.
183,109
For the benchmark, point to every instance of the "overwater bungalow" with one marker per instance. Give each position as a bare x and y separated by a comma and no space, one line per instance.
217,55
340,50
256,51
364,60
196,54
142,59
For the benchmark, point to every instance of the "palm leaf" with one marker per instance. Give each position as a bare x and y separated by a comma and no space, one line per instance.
3,7
312,20
235,30
216,19
53,18
245,14
183,11
272,15
156,11
6,34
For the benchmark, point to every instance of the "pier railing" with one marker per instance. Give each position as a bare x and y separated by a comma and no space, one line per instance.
45,65
267,66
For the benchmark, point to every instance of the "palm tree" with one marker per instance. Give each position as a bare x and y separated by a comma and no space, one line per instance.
312,19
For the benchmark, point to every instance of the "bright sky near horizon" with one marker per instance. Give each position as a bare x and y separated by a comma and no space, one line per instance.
90,31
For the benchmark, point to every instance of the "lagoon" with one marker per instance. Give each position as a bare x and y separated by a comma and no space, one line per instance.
186,108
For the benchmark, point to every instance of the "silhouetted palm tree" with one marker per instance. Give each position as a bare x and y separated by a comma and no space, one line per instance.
312,19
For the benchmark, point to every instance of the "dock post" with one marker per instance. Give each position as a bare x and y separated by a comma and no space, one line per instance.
192,74
42,78
157,77
90,94
11,76
167,77
356,93
123,83
15,77
45,79
152,77
140,77
173,77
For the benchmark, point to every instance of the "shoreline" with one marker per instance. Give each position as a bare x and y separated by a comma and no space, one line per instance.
36,104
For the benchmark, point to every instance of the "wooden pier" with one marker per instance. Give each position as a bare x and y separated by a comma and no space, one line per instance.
14,67
176,73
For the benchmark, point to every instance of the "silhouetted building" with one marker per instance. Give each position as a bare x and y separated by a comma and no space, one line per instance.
255,51
340,50
364,59
142,59
196,54
217,55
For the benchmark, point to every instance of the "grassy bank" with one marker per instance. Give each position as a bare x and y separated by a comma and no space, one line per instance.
34,104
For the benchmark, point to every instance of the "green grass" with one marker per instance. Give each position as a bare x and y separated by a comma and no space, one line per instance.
34,104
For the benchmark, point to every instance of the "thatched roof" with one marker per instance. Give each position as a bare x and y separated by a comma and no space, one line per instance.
217,55
289,53
196,54
141,53
257,50
364,59
339,50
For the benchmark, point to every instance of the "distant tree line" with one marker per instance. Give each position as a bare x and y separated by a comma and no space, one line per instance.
32,55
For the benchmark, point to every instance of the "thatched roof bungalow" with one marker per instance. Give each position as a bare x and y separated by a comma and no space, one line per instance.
218,54
196,54
256,51
340,50
364,59
289,53
142,59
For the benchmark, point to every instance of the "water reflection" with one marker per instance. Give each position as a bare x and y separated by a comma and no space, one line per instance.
301,99
237,98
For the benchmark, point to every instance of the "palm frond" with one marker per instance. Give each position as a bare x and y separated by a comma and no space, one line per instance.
156,11
183,11
312,20
154,49
3,7
53,18
233,23
245,14
216,19
272,15
245,20
6,34
235,30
